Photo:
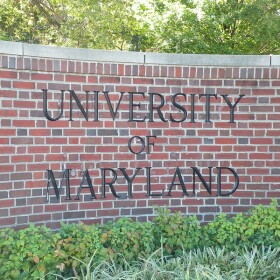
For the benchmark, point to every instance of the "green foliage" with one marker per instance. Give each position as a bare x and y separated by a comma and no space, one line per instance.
37,251
128,239
27,253
77,241
176,232
28,21
240,27
224,26
208,263
260,227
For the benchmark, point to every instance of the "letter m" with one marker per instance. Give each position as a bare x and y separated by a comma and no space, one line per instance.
57,190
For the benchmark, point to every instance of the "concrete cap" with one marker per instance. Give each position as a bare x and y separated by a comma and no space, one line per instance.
11,48
32,50
275,60
82,54
208,59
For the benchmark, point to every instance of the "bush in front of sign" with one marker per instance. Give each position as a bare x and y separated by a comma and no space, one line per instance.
128,239
261,226
27,253
176,232
37,251
75,242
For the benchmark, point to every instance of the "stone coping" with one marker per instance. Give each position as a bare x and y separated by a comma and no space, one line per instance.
33,50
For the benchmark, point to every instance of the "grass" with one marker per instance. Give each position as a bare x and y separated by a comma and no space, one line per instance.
209,263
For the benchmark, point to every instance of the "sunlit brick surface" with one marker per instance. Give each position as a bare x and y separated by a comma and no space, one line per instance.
185,138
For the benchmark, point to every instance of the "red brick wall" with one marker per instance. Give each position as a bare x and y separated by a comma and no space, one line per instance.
30,144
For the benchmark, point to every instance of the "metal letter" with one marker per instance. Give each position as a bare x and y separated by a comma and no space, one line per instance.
148,172
113,114
142,145
96,109
152,107
131,105
219,181
179,107
182,184
110,184
51,180
207,105
208,187
231,107
89,183
73,95
45,105
129,180
192,108
149,143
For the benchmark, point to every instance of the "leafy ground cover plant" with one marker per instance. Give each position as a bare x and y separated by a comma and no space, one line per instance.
177,232
37,252
261,226
77,241
208,263
129,239
27,253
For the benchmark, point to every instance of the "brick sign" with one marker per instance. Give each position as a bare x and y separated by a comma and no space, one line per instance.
94,135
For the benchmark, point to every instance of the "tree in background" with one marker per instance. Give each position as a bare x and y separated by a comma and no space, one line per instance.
78,23
169,25
223,26
150,25
240,27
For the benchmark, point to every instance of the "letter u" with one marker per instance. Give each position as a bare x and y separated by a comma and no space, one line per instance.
45,105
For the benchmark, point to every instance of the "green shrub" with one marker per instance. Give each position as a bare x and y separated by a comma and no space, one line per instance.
261,226
128,239
77,241
176,232
27,253
37,251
